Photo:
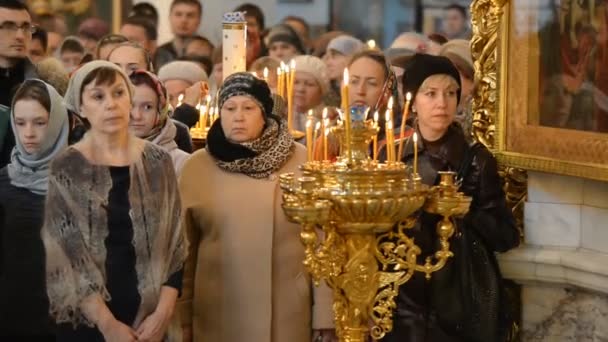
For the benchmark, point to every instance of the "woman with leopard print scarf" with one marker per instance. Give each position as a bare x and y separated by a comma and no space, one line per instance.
244,279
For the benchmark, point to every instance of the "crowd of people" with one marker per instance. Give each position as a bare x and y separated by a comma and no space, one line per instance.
113,227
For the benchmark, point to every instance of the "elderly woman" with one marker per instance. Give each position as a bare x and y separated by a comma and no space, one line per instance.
41,127
150,116
244,279
310,85
435,85
114,247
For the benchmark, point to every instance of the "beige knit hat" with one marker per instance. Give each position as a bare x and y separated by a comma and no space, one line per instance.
460,48
182,70
314,66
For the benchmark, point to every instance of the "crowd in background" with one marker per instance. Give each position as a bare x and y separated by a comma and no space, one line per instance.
112,225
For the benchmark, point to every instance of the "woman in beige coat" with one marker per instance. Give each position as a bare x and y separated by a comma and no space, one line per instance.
244,279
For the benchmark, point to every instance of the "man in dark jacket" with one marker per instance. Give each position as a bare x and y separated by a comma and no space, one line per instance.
185,18
15,36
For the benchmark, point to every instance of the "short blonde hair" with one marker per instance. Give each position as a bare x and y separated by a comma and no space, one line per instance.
443,78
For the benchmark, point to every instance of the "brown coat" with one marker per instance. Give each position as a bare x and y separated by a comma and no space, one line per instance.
244,279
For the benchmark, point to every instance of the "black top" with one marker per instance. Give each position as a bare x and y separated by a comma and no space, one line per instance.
23,300
121,275
182,137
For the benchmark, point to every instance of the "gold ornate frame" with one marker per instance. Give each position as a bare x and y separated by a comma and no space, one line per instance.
581,154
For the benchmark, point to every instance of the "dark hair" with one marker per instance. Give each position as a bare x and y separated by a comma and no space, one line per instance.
203,61
71,45
41,35
202,39
145,10
253,11
109,39
147,58
376,56
143,78
188,2
34,90
14,5
438,38
458,8
145,23
300,20
101,76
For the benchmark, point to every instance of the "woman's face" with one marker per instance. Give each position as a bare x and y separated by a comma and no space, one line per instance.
336,62
107,106
436,104
282,51
31,124
307,92
71,59
128,58
144,113
242,119
366,82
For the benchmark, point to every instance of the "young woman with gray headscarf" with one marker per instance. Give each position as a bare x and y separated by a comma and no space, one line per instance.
114,246
244,279
40,123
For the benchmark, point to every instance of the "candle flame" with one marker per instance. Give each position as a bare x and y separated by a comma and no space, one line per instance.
279,71
324,113
371,44
415,137
308,123
318,126
387,116
255,74
180,98
310,112
408,97
293,64
376,115
266,73
282,65
208,99
326,121
327,131
345,80
390,103
198,106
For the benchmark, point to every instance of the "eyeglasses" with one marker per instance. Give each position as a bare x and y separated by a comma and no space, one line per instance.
12,26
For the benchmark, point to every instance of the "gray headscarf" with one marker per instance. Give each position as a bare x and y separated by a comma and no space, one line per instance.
31,171
72,95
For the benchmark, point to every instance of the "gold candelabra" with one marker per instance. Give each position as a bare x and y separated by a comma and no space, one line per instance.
355,215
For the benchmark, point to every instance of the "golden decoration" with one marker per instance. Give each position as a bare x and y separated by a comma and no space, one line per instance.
355,215
486,16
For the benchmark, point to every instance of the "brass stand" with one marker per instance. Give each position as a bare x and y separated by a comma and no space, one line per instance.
364,209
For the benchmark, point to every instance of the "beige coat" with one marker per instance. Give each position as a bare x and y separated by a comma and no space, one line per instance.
244,279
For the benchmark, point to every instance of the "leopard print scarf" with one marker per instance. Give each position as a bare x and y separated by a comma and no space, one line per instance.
258,158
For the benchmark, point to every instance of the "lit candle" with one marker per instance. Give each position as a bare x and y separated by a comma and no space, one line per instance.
345,108
388,129
202,121
415,153
265,74
325,155
309,141
371,44
314,139
290,74
279,81
323,127
406,110
180,98
375,145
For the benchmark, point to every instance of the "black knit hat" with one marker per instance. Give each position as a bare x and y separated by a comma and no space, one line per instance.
244,83
284,33
422,66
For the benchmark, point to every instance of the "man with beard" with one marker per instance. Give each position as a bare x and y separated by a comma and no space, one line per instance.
15,36
185,18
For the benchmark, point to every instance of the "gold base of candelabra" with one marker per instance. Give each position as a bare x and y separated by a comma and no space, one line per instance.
363,210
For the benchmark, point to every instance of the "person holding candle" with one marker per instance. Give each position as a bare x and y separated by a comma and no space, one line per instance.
424,307
244,279
310,85
150,116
